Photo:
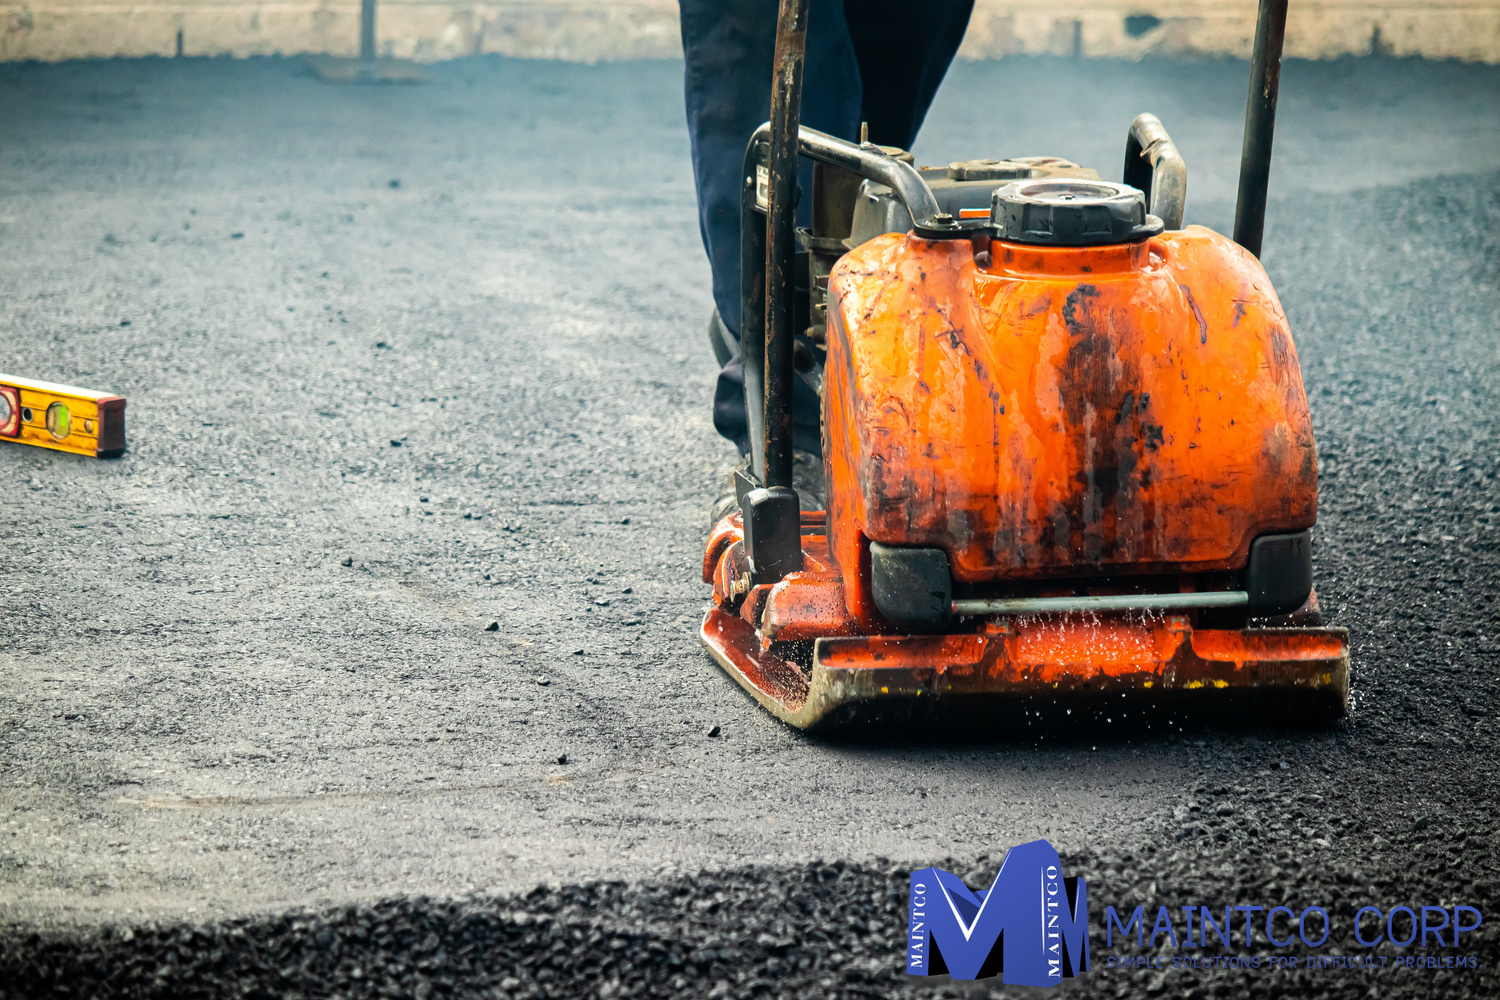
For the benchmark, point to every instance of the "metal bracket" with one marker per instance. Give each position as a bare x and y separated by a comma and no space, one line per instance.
773,529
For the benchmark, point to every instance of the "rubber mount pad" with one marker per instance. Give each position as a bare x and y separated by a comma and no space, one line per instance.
1279,575
912,587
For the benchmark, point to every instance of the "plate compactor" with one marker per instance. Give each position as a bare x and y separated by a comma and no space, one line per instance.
1067,451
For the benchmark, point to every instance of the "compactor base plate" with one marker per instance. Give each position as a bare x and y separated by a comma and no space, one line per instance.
789,645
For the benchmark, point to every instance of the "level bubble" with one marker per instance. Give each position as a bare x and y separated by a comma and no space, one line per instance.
59,420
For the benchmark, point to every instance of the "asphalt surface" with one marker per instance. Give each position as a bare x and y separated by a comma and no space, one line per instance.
406,362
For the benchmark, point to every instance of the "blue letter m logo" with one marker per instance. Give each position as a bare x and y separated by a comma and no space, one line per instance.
1032,926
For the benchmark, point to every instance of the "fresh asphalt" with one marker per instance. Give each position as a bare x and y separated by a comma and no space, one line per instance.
405,363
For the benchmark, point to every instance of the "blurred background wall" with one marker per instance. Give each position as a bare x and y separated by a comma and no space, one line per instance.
592,30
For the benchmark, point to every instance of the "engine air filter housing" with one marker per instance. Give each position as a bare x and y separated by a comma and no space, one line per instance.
1070,212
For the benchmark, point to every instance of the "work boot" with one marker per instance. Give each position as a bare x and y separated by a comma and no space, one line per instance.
807,480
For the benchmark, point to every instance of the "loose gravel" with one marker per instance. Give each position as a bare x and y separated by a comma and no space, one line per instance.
822,930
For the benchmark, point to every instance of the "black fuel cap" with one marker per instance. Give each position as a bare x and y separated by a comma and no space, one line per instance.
1068,212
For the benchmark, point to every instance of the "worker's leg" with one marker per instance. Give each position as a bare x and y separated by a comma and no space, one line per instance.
728,48
879,61
903,50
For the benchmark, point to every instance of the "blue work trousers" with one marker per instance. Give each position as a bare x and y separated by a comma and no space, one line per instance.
875,61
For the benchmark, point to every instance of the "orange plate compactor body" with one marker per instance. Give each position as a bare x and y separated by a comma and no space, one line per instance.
1079,421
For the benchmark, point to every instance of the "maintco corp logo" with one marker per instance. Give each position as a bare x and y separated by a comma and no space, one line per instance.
1030,926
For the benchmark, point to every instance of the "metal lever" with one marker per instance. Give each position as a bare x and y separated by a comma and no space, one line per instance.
1153,165
781,245
1260,124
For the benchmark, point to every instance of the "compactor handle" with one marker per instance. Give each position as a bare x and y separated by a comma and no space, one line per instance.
1153,164
1260,124
768,250
768,375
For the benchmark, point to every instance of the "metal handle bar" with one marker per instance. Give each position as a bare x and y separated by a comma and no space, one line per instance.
867,160
1153,164
1260,124
1121,602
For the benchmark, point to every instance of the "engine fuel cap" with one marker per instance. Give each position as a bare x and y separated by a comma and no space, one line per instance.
1065,212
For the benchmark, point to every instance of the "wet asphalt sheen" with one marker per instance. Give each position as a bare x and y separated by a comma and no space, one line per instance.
406,362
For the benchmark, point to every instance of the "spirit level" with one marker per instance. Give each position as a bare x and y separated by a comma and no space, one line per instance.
63,417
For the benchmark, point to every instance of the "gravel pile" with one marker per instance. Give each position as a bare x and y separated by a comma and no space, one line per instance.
826,930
